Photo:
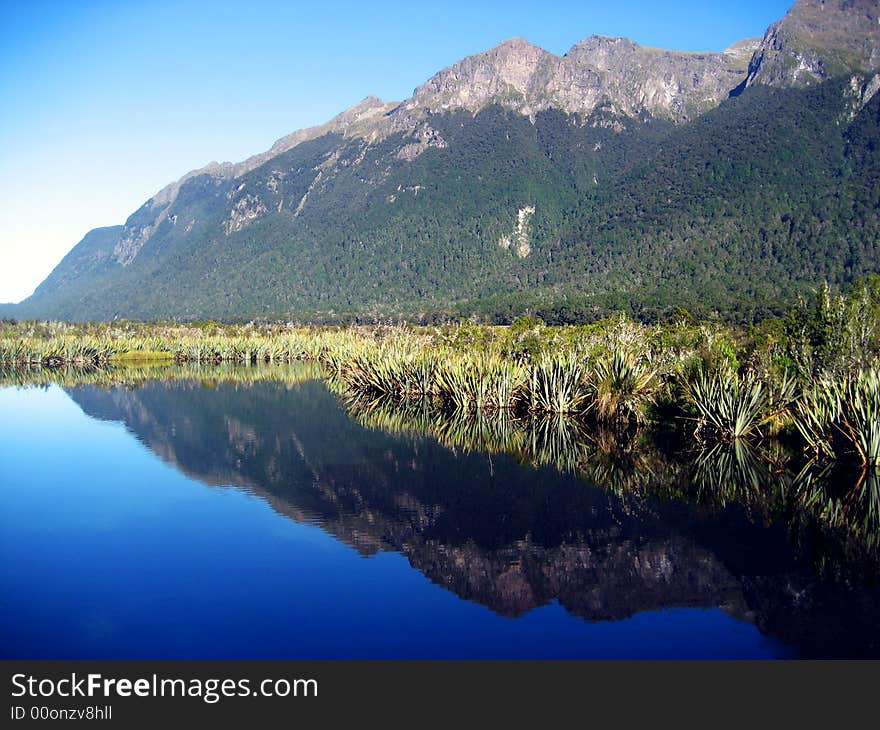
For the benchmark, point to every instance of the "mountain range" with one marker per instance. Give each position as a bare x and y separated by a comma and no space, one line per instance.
614,177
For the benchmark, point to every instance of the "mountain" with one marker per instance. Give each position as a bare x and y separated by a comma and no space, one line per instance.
613,177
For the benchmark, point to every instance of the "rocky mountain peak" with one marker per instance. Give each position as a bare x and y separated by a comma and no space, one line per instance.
615,73
501,74
744,49
678,85
818,39
515,45
599,71
597,49
367,109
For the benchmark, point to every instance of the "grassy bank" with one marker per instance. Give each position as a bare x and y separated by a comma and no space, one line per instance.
812,377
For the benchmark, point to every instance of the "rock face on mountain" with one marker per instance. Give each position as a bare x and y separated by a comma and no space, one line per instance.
676,85
604,177
631,79
816,40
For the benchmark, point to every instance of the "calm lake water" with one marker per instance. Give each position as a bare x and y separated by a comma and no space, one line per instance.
213,517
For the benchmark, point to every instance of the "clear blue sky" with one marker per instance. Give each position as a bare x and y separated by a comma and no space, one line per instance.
103,102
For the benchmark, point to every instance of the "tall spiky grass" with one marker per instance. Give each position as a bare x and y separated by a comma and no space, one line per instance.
482,382
815,414
732,407
860,415
847,410
624,386
558,384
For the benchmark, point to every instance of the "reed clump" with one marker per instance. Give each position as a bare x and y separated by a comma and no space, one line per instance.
558,384
624,386
729,406
480,383
839,415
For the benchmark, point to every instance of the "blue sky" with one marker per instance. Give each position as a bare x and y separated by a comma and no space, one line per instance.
104,102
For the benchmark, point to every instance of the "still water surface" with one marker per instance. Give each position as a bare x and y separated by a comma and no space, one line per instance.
202,518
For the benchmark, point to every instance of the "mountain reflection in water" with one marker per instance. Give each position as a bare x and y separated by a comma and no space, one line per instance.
514,516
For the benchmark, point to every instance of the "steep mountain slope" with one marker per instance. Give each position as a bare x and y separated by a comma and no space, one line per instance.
614,176
817,40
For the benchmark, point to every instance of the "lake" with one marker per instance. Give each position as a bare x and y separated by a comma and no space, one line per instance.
253,513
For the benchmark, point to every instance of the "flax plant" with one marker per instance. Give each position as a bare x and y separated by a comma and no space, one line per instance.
732,407
558,384
624,386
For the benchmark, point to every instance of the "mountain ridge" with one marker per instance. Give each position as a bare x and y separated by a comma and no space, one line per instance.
508,152
351,119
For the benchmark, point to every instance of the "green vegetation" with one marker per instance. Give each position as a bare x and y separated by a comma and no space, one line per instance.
812,377
558,385
624,387
735,406
845,410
